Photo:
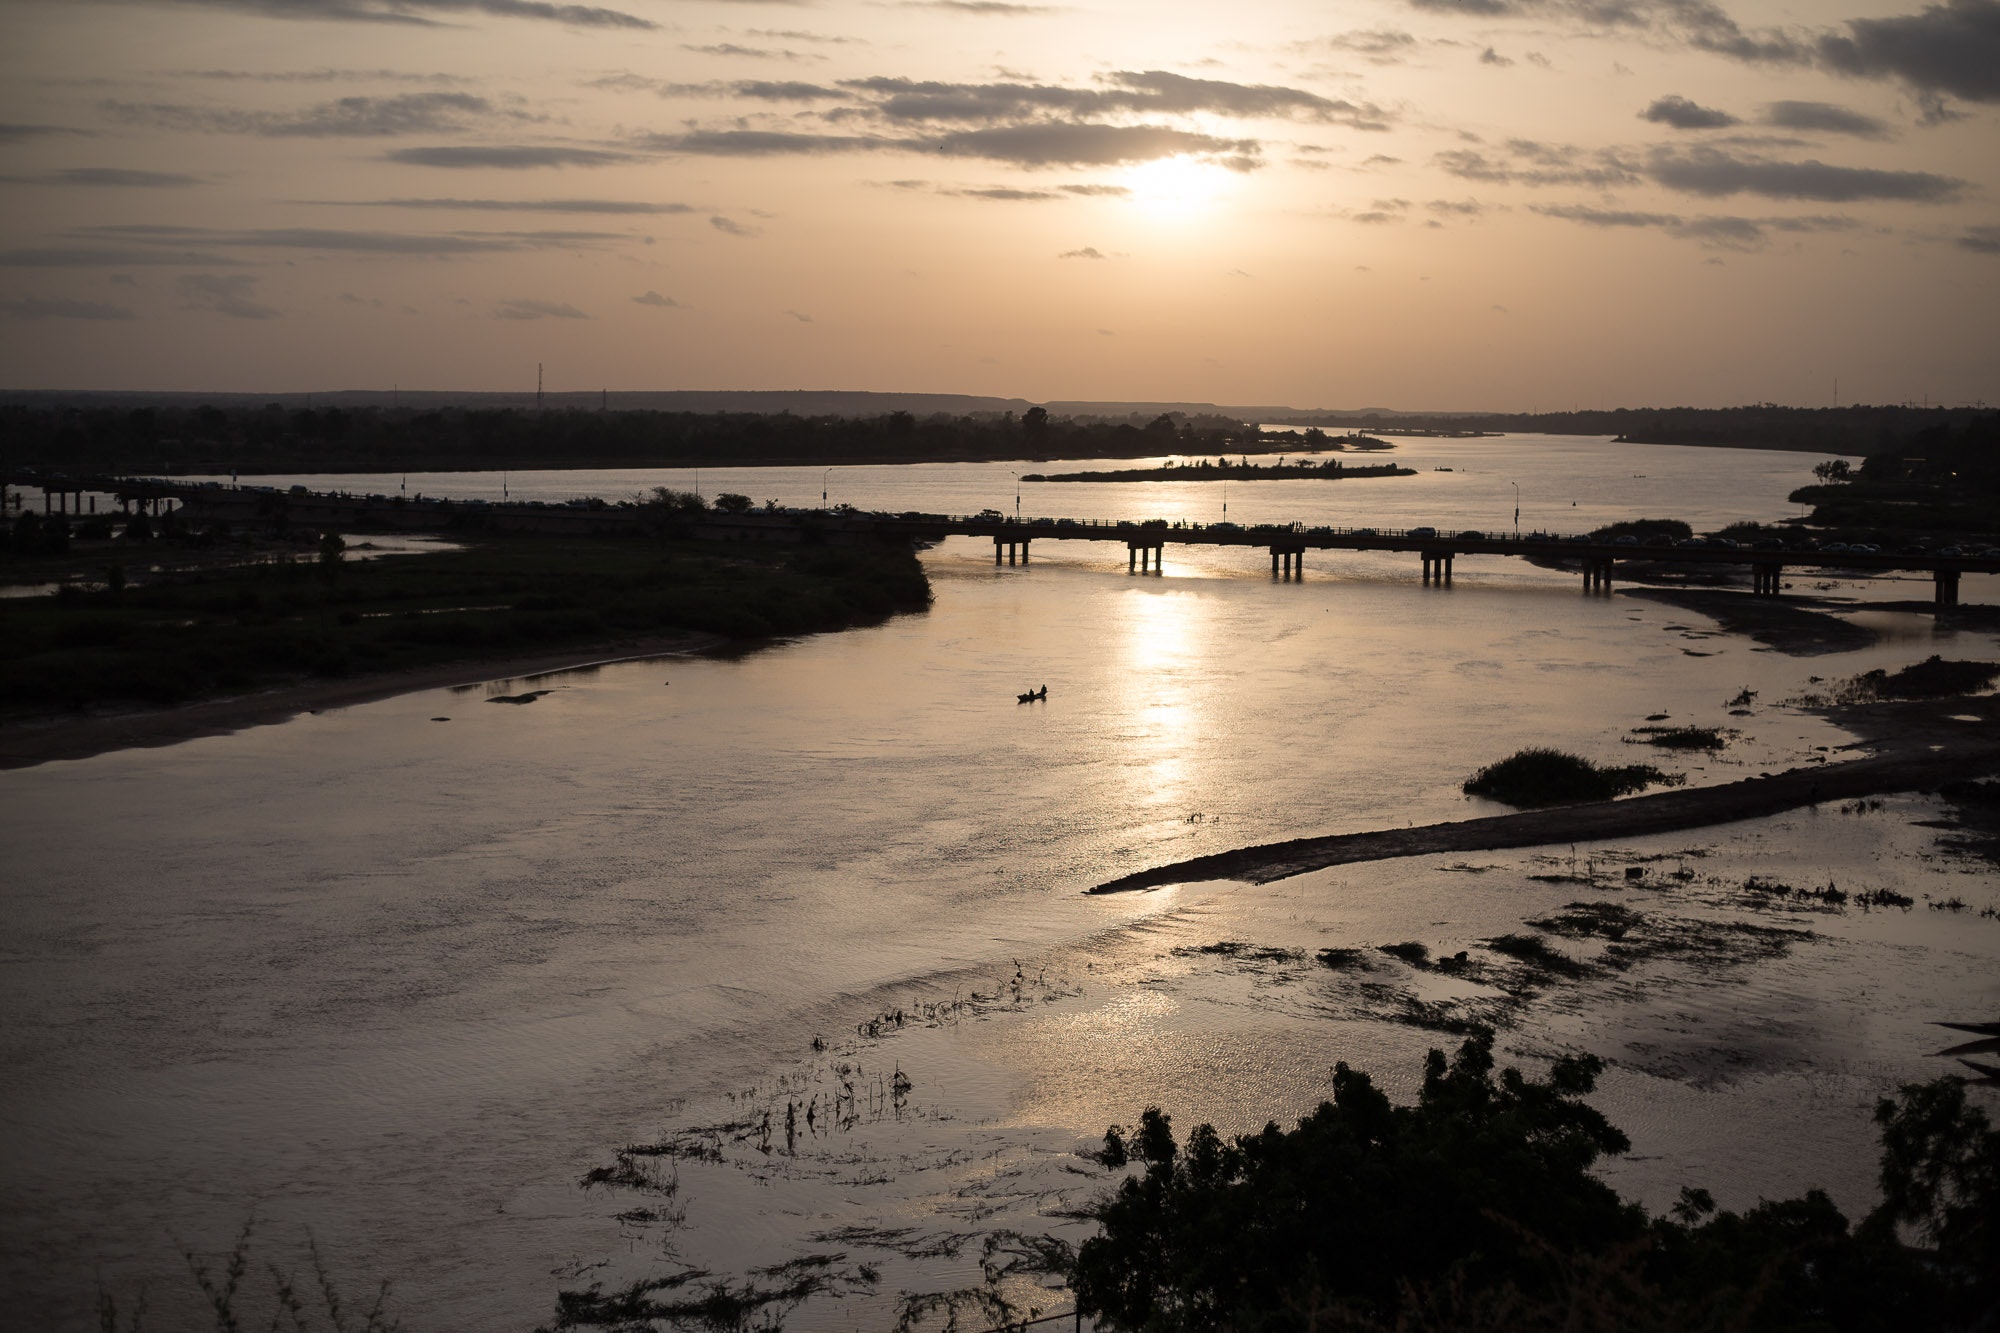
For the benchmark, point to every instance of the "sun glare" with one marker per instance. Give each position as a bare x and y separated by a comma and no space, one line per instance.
1177,188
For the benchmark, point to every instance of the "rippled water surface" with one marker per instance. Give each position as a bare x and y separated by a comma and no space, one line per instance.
403,979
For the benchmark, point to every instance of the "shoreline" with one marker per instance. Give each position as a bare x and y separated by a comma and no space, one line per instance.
40,739
1911,764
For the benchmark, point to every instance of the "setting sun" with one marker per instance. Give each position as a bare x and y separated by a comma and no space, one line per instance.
1179,188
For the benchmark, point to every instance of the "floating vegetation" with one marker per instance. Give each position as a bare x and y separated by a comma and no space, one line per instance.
1743,698
1536,952
1870,898
1682,738
1411,952
1539,776
1608,921
1867,805
1344,960
1250,953
1951,904
1827,895
693,1299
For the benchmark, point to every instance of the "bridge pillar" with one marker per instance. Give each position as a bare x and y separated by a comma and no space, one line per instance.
1274,562
1765,580
1596,575
1947,586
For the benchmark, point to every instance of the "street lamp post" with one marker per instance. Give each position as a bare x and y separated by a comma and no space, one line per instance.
1017,497
822,487
1517,509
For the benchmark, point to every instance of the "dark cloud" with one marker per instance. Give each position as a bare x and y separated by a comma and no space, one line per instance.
314,76
1492,57
606,206
419,12
1717,232
767,91
15,132
1825,118
766,143
36,307
113,176
1713,173
100,257
1682,114
1083,144
1087,252
657,300
1458,208
226,294
506,157
1983,239
353,242
1096,191
731,227
750,52
1952,49
348,117
529,309
1149,92
1697,23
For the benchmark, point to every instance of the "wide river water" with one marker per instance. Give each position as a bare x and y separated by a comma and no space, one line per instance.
402,980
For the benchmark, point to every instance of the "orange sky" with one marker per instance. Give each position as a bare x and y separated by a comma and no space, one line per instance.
1498,204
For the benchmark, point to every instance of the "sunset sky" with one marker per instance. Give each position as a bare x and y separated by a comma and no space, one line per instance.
1421,204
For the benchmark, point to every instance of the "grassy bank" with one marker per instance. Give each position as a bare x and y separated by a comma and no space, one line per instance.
213,631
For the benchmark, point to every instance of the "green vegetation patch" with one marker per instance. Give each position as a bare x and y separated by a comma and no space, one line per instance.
1539,776
1642,528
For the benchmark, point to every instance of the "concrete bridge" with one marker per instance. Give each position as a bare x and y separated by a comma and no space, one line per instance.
1145,542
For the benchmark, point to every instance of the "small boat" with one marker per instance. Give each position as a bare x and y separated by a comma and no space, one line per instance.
1032,695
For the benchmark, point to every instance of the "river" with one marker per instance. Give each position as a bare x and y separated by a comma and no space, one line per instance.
400,980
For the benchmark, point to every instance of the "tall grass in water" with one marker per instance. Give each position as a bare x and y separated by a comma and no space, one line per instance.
277,1300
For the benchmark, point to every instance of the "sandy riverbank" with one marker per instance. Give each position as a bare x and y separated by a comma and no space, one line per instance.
1926,744
32,740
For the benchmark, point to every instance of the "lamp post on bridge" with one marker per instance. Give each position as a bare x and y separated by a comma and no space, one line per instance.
822,487
1517,509
1017,497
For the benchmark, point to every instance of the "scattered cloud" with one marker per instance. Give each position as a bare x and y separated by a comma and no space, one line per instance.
1458,208
36,307
751,52
314,76
1378,46
1087,252
346,117
225,294
1983,239
1492,57
108,176
1714,173
506,157
985,8
1825,118
418,12
657,300
800,316
1033,144
524,308
731,227
1529,162
1682,114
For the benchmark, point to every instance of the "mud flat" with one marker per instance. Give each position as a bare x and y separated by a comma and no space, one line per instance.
1792,626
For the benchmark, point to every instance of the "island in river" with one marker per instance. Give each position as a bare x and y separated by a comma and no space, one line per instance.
1223,470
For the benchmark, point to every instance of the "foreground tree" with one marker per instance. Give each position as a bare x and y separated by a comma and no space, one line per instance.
1476,1209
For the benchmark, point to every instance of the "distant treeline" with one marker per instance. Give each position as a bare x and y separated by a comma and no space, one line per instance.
277,439
1831,430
